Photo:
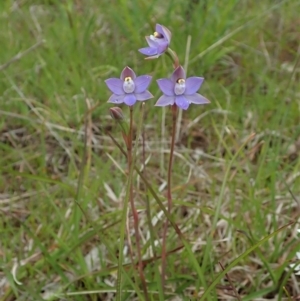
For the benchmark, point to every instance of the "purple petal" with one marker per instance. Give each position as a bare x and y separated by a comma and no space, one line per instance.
115,85
127,72
144,96
164,31
165,101
130,99
166,86
177,74
116,98
159,29
152,43
182,102
162,47
148,51
167,33
197,99
141,83
193,84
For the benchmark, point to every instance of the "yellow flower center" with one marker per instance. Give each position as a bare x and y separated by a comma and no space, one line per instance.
158,35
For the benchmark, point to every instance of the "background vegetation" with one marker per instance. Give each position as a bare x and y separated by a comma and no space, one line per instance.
236,172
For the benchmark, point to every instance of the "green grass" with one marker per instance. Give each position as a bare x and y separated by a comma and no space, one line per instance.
235,201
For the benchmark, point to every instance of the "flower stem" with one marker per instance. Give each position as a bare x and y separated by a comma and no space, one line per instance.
134,211
174,57
169,195
128,140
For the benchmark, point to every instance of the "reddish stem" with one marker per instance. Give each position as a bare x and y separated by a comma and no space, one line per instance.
176,64
134,211
169,196
174,57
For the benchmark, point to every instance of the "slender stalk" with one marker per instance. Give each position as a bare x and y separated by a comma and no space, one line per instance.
231,284
84,170
148,205
134,211
174,57
152,191
127,225
148,212
169,196
130,155
129,162
186,63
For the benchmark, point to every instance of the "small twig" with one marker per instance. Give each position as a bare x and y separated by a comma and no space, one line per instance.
21,54
231,284
291,193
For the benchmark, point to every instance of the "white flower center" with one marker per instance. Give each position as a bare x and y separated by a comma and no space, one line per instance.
179,88
128,85
156,36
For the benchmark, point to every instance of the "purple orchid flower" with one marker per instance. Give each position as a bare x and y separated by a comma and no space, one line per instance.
129,88
158,42
180,90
